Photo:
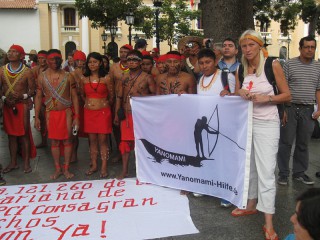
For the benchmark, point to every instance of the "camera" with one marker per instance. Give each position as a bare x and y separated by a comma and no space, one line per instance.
189,45
209,43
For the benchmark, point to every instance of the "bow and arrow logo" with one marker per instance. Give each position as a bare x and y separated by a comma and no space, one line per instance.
160,154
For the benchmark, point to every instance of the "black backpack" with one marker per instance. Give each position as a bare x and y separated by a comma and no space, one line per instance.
271,79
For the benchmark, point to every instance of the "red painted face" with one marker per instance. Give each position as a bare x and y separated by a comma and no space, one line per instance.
54,63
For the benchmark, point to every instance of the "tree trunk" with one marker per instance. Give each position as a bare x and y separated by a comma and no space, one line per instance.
226,18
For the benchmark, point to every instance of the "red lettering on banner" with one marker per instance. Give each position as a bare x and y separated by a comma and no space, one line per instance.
7,200
103,229
129,203
82,229
144,200
19,235
109,184
85,207
8,210
140,183
36,220
45,198
2,190
15,222
108,193
115,203
63,232
102,207
76,195
60,187
51,220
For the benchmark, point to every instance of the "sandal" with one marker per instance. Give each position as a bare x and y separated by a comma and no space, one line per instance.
243,212
268,236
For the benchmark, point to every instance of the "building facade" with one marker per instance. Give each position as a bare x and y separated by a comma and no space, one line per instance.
45,24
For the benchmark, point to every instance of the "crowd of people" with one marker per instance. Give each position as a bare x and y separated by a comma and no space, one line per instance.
88,97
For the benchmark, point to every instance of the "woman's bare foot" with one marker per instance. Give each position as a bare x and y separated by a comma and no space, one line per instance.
56,174
122,176
68,174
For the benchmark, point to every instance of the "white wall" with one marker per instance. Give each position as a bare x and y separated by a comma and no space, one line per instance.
20,27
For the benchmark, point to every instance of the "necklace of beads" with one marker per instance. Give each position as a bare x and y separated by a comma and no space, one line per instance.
213,79
14,73
123,68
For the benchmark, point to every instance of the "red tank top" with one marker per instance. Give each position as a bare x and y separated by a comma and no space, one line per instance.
96,90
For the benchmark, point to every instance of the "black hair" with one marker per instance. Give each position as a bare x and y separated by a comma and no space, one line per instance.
136,53
148,57
230,40
174,52
107,68
206,52
101,71
54,51
308,39
43,52
308,214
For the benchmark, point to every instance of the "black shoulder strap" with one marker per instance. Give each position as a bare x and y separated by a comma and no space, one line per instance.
240,74
224,78
270,75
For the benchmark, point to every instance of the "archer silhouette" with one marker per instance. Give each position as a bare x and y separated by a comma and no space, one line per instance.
200,125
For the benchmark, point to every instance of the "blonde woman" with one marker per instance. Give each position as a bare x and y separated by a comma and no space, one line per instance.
265,128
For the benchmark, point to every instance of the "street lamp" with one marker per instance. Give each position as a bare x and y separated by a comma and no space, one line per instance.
104,37
113,31
266,44
157,4
136,38
288,41
130,22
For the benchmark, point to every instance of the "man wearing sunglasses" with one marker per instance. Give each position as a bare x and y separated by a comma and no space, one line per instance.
133,83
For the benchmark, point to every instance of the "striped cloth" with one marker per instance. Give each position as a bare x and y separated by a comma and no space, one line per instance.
303,80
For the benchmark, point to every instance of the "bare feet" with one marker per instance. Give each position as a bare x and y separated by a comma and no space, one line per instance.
104,174
68,174
56,174
122,176
10,168
27,170
91,171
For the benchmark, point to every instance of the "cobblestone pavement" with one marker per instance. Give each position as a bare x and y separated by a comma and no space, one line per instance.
213,221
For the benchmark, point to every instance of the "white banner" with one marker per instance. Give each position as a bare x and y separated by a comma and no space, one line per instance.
104,209
194,142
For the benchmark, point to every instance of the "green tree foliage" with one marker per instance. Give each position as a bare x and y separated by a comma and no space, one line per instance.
103,13
288,12
174,21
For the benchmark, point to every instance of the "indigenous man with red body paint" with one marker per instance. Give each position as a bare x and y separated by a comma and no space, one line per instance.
174,81
116,73
17,86
134,83
37,70
60,93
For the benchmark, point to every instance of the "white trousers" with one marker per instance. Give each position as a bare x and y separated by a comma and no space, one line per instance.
262,183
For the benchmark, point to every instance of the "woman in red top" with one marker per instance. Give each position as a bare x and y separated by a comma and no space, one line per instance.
97,91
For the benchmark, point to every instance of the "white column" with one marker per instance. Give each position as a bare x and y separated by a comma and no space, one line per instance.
54,25
306,29
85,35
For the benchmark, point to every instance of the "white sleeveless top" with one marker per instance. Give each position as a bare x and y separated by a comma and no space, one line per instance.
261,85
